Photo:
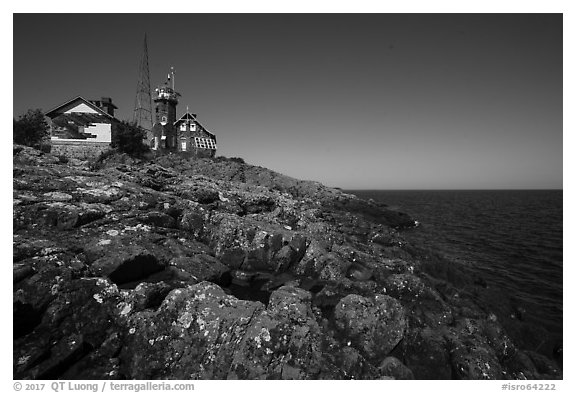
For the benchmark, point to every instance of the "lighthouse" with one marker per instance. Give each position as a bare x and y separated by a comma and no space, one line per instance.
163,134
186,135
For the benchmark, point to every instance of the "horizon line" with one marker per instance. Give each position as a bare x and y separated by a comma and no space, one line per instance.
449,189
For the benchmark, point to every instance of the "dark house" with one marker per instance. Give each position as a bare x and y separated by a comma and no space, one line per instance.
193,137
185,135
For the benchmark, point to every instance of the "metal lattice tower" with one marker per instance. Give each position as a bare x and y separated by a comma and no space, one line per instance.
143,105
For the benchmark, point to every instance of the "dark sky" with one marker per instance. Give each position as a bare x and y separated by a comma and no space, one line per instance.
380,101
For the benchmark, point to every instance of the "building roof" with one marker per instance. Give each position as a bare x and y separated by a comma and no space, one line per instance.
84,119
187,116
72,103
192,117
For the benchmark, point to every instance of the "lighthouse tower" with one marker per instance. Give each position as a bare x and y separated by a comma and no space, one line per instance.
163,130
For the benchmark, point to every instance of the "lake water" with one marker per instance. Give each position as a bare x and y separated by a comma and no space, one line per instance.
512,237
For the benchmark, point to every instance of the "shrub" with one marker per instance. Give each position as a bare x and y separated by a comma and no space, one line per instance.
31,129
99,162
128,138
237,159
229,159
105,154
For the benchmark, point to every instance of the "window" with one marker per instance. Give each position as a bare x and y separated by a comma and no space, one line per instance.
184,146
164,119
193,127
183,127
205,143
200,143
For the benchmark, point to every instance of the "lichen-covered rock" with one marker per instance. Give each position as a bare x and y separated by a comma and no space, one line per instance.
520,366
82,316
201,267
497,338
425,306
332,267
127,263
193,335
310,263
374,325
158,219
193,221
384,237
39,281
253,245
203,195
350,364
386,267
102,363
110,258
406,287
359,272
283,342
480,349
285,257
425,352
147,296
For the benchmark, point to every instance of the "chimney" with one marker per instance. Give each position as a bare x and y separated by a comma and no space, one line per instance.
108,105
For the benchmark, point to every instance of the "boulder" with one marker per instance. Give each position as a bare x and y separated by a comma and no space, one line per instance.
405,287
332,267
359,272
309,262
158,219
201,267
99,192
497,338
426,306
425,352
471,355
200,194
81,318
385,237
283,342
285,258
374,325
158,342
388,266
350,364
45,275
148,295
252,245
474,362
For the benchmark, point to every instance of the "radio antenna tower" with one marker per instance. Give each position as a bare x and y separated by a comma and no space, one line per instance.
143,105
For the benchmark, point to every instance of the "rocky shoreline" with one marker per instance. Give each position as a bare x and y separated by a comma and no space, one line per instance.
216,269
